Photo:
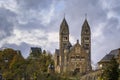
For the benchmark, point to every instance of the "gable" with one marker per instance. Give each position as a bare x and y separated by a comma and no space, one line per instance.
77,50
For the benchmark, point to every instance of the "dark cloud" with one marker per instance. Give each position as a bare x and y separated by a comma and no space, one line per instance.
6,22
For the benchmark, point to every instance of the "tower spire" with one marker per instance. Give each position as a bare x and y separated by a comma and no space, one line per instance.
64,40
86,40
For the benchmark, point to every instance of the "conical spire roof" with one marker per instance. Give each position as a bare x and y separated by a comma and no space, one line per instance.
64,26
85,26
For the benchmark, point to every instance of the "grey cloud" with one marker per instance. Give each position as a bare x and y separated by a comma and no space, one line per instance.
110,39
6,22
111,27
116,8
35,4
75,11
30,13
31,25
111,33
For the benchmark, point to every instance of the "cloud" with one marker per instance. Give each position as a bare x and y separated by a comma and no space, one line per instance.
7,19
26,23
105,34
34,37
34,4
10,5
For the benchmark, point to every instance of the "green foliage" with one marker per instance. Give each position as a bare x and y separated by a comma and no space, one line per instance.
17,67
12,67
111,71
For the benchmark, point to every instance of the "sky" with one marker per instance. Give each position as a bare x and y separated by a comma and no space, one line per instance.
36,23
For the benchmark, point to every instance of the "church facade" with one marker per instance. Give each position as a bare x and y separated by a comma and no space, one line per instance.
73,58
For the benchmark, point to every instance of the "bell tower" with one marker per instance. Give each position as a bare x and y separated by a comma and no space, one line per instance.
86,42
64,40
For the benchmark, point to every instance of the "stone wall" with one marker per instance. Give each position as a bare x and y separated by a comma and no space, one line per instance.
94,75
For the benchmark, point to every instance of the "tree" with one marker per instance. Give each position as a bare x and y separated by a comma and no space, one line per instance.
11,69
111,71
39,65
17,67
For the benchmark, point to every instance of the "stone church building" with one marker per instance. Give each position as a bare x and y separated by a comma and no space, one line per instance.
77,57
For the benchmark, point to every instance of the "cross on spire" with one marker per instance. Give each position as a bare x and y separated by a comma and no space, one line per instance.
85,15
64,15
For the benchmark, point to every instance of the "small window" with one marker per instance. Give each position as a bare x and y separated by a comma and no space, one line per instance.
101,65
57,60
86,46
82,58
86,31
72,57
78,57
65,38
86,38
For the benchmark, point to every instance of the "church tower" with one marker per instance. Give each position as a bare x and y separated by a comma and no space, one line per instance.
64,40
86,42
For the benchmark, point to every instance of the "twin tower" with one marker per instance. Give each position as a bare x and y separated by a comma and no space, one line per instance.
73,58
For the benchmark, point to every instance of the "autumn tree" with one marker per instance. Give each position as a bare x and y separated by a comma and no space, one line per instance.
10,62
39,65
17,67
111,71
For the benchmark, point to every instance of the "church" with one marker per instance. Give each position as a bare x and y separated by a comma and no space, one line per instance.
76,57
